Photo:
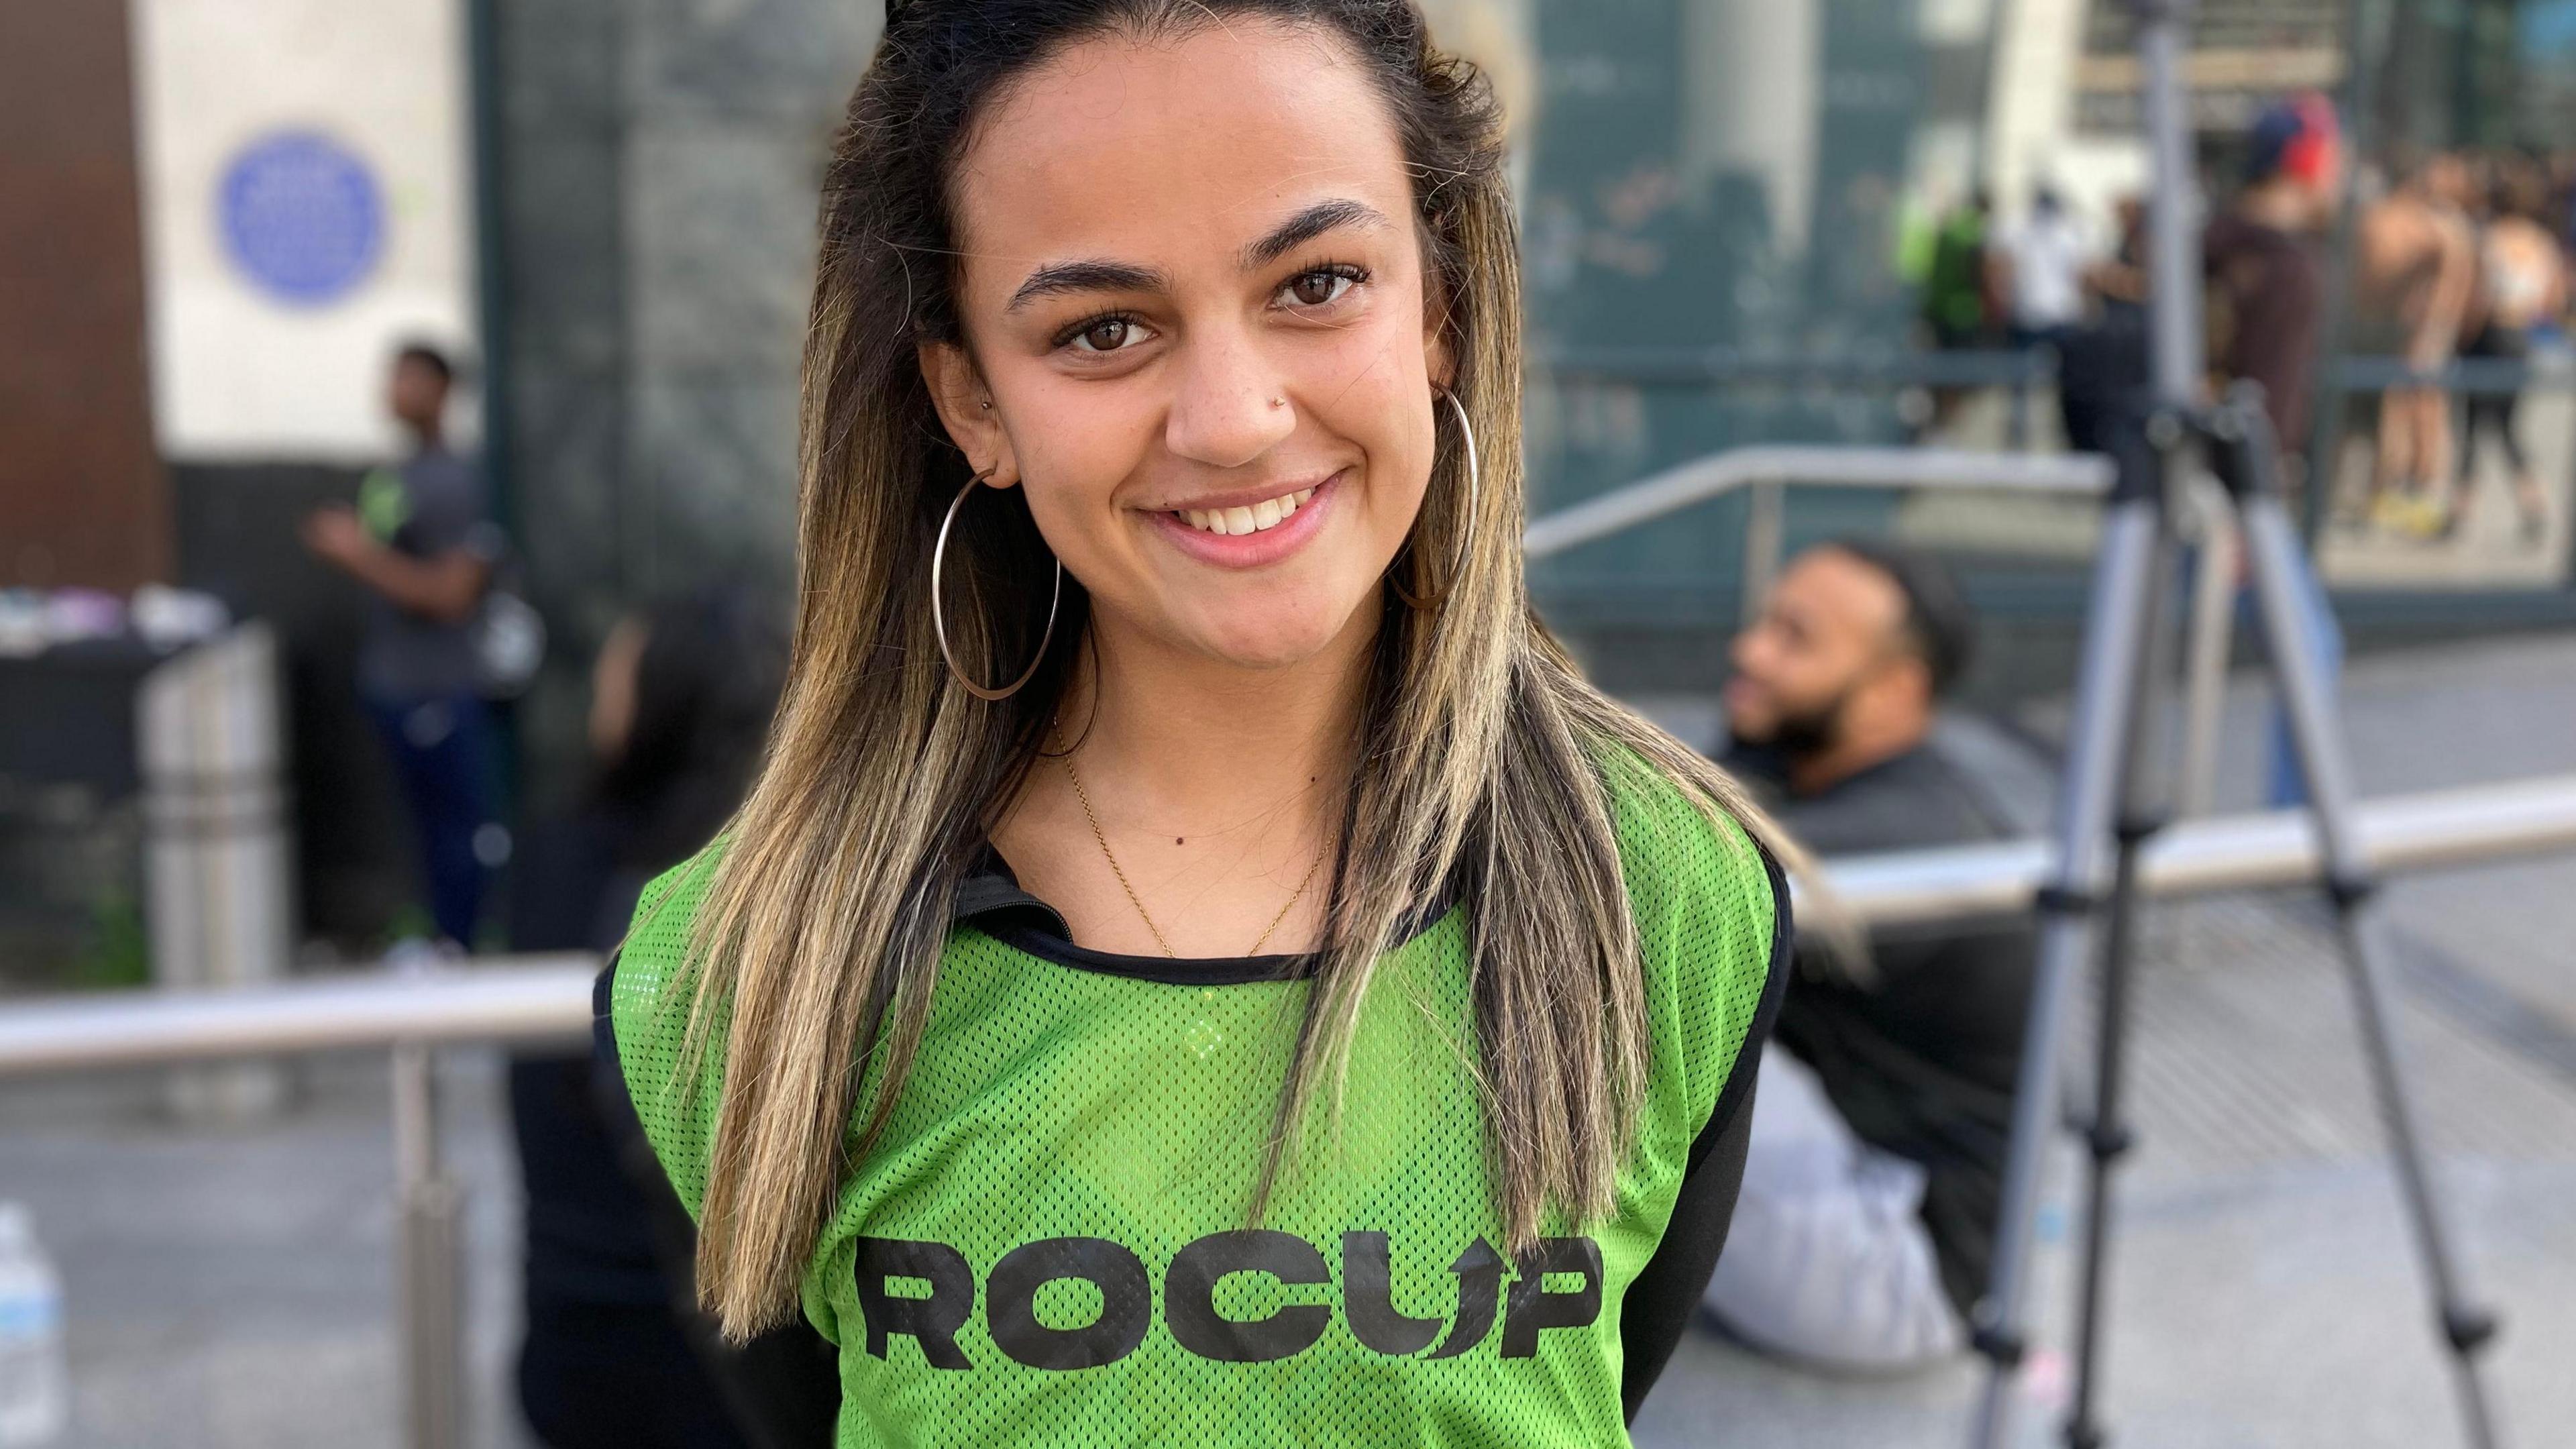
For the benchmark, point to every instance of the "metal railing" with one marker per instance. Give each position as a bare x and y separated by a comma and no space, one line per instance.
2022,374
547,999
536,999
1767,468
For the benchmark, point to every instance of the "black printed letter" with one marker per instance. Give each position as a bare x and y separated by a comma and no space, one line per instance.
1369,1298
1011,1302
933,1321
1530,1307
1189,1296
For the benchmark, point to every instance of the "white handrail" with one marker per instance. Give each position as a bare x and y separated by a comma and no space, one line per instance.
1705,478
2432,830
505,999
547,998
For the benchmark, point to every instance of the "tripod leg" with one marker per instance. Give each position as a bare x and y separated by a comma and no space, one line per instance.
2272,551
2115,629
2106,1133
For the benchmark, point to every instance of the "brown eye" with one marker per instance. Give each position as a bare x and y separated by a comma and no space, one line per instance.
1106,335
1317,289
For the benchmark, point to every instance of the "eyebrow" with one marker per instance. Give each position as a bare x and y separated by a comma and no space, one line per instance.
1100,275
1307,225
1085,276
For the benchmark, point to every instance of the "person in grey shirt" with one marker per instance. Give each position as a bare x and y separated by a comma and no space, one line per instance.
421,544
1883,1116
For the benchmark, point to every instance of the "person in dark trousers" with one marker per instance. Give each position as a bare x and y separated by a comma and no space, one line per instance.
422,544
1879,1134
616,1355
2265,265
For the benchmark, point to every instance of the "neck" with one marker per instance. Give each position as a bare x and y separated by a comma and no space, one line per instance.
1199,742
1855,748
1218,789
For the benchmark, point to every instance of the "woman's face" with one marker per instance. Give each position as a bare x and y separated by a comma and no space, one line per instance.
1193,296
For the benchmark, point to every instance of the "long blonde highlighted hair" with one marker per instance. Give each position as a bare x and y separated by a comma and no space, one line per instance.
1482,748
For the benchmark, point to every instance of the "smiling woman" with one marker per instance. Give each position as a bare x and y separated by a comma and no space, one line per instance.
1162,607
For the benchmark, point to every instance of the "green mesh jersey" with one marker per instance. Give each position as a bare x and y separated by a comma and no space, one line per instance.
1048,1243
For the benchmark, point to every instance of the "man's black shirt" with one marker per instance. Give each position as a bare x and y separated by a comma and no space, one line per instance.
1922,1057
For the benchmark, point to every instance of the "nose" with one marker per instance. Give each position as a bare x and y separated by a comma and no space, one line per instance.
1221,411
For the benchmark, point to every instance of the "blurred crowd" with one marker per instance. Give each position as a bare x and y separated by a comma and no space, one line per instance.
2457,277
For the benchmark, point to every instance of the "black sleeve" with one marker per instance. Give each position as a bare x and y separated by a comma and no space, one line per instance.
1664,1298
783,1387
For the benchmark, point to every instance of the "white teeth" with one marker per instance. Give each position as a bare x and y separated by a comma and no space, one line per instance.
1267,514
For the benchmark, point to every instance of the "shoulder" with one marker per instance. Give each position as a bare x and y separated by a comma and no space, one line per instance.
1917,799
656,948
1681,851
648,1005
1714,932
1711,905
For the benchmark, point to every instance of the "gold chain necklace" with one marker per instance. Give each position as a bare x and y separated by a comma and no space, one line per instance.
1132,899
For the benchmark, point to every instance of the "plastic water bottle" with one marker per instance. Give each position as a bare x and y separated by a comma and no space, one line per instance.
35,1387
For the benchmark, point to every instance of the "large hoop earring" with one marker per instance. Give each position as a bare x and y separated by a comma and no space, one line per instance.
1467,533
939,616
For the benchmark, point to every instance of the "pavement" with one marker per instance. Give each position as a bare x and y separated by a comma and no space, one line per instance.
235,1288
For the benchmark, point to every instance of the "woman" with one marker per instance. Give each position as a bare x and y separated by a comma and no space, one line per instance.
681,694
2522,286
1197,963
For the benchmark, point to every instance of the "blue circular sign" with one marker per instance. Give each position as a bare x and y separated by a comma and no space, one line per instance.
302,217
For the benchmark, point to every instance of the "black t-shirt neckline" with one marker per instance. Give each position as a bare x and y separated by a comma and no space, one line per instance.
992,900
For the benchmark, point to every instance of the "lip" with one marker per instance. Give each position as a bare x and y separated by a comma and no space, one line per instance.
1250,550
1245,496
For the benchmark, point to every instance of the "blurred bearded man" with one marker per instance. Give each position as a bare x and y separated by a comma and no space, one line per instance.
1884,1112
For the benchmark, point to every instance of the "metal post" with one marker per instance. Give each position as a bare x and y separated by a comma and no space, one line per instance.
2115,640
433,1319
1762,539
2212,634
217,858
2273,550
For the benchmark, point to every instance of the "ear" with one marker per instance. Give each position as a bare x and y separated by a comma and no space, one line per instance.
965,407
1903,687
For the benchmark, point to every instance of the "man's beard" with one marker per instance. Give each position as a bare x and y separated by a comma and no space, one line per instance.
1804,734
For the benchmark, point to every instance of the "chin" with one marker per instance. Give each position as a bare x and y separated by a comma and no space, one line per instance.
1268,641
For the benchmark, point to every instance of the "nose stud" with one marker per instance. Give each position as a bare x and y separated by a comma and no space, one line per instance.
1279,402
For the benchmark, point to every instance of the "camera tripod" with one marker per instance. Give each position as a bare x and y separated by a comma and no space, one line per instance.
2108,805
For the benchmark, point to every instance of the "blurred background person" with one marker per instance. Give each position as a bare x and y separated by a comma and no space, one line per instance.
2102,361
681,697
2415,269
2265,259
2521,287
421,542
2044,258
1958,300
2265,263
1884,1112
